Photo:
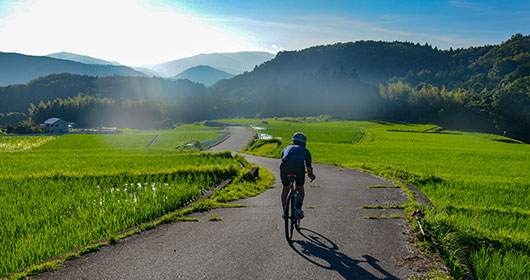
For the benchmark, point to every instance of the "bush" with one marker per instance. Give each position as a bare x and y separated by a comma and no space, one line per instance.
24,127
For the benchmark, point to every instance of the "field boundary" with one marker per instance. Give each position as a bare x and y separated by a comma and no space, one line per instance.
418,195
428,236
154,140
216,141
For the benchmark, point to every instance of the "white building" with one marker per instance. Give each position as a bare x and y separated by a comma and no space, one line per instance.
55,125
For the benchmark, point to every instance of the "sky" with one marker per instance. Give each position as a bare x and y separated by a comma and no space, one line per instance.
146,32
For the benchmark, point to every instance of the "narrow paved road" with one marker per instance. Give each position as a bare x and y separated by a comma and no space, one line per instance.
239,138
336,242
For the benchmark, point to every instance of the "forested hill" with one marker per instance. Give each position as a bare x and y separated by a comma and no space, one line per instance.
485,88
341,79
18,68
17,98
203,74
369,62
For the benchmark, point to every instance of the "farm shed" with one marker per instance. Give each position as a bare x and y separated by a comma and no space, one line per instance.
55,125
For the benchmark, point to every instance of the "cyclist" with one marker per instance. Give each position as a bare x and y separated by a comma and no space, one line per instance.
293,158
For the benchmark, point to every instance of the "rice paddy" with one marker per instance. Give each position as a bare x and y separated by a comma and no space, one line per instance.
58,193
479,183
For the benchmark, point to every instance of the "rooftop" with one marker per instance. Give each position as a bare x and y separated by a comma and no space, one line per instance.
51,121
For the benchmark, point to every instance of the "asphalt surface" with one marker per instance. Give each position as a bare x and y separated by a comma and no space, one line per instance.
239,138
336,241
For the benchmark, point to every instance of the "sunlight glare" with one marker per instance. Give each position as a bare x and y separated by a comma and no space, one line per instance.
133,32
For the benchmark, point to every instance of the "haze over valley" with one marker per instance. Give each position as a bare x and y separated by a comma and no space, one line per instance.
479,88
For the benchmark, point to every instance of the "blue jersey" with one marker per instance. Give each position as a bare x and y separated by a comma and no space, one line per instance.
296,152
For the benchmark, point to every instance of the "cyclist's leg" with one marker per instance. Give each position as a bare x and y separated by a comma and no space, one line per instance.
285,193
285,182
300,196
300,180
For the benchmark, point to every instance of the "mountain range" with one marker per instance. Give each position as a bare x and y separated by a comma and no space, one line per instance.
203,74
19,69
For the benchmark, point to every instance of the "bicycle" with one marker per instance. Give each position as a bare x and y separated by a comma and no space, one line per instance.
289,215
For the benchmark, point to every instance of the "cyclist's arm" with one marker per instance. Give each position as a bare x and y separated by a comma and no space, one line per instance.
309,167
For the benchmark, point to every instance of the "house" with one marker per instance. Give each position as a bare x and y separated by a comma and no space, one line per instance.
55,125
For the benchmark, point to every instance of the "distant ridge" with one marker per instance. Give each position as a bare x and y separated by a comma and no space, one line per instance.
232,63
19,69
82,58
148,72
203,74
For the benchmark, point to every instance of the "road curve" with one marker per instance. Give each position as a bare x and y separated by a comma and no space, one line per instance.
336,241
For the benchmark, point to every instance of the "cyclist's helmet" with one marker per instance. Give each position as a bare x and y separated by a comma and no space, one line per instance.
300,138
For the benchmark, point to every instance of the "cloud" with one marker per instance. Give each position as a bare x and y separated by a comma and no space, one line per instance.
303,31
476,7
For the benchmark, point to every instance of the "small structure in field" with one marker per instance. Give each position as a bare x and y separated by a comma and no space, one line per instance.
55,125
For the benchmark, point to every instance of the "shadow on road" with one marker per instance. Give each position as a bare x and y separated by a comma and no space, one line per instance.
321,251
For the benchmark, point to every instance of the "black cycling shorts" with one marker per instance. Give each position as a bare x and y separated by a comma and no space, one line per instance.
292,167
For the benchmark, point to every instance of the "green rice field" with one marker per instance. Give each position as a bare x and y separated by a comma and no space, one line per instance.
62,192
479,183
168,139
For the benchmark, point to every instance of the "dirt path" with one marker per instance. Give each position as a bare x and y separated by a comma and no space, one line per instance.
336,241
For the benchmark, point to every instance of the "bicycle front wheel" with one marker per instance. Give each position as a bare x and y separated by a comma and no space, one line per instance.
294,220
288,215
